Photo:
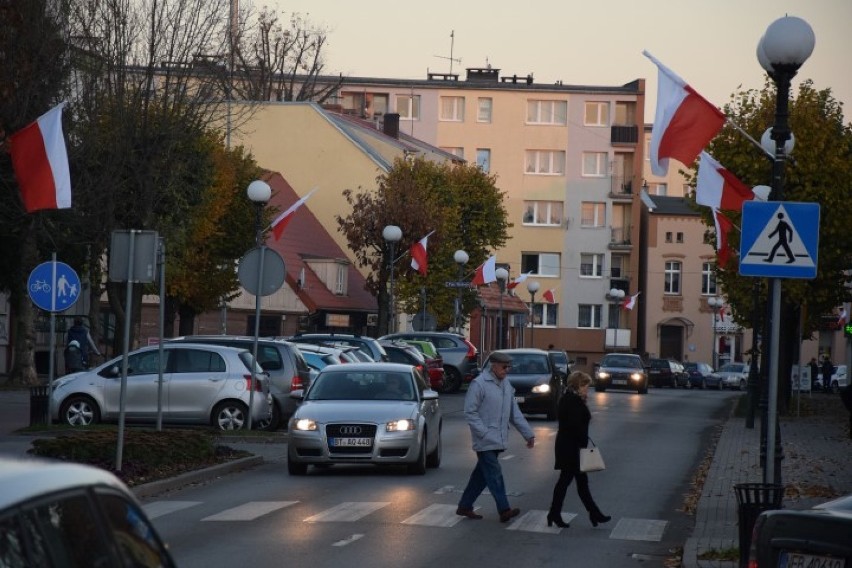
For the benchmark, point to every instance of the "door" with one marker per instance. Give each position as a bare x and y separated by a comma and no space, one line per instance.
671,342
198,377
140,399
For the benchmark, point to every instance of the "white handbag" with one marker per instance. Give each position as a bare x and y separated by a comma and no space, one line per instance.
591,459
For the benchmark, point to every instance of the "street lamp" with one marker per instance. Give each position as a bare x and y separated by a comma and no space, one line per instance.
715,303
392,235
784,47
532,287
461,258
259,193
502,276
615,296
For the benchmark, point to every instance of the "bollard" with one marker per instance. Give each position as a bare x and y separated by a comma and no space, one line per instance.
39,404
752,500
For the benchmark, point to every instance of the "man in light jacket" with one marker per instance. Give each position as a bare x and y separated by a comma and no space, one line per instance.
489,408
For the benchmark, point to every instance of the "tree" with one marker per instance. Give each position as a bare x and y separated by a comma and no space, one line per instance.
820,171
460,203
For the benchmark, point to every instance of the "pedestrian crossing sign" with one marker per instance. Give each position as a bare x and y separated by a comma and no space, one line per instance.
780,239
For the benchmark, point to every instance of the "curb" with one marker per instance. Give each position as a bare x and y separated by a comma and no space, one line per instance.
197,476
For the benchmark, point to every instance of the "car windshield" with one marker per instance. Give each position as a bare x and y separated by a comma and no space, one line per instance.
362,385
621,361
691,366
733,368
532,364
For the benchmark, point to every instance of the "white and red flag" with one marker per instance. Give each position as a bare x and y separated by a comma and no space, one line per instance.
548,296
723,229
630,302
280,223
843,317
419,255
40,161
518,280
718,188
486,272
684,122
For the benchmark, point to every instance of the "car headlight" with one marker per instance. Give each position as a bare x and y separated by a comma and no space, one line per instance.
603,375
541,389
400,425
636,376
305,424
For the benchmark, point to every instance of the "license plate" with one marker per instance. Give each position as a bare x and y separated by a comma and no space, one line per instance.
619,381
519,399
798,560
351,442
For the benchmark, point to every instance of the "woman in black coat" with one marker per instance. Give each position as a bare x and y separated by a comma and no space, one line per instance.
573,434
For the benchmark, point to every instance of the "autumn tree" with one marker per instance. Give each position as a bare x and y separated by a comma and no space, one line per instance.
460,203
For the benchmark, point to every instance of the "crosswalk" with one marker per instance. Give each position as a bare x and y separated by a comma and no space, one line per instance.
440,515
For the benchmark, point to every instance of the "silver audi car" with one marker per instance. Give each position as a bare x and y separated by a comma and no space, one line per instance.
366,413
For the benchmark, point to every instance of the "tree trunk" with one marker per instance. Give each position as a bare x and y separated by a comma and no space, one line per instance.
23,371
187,320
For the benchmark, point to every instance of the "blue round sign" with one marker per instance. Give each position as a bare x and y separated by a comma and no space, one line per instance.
53,286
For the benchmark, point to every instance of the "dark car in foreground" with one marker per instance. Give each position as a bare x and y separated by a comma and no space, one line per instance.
461,358
819,537
621,371
538,384
701,376
561,361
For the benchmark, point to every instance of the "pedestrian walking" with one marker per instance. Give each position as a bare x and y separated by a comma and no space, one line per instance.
573,434
80,333
73,357
489,407
827,371
814,367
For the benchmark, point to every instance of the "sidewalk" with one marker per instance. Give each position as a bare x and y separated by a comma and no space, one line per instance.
817,467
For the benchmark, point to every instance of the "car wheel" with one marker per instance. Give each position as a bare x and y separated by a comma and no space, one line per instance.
273,422
452,380
553,409
419,466
296,468
230,415
742,385
643,389
599,388
433,460
703,384
80,410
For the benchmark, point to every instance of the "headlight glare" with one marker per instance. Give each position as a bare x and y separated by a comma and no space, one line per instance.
305,424
541,389
636,376
400,425
603,375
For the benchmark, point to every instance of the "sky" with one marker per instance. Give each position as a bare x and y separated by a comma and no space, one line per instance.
711,44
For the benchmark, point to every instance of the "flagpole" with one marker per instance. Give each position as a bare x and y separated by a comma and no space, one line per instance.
748,137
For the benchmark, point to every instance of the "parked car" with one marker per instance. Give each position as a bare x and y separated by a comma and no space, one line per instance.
461,358
701,376
432,369
561,361
366,413
202,384
537,382
282,360
812,537
56,513
426,347
664,372
368,345
838,379
322,355
621,370
734,375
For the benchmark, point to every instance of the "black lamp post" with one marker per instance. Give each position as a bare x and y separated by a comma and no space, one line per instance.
533,287
259,193
502,276
715,303
392,235
461,259
784,47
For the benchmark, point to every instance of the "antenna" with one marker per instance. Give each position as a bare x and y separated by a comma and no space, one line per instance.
452,44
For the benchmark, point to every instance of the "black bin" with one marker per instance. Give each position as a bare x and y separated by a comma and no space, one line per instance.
39,405
752,500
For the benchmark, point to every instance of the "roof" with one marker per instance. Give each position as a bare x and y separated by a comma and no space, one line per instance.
490,297
680,206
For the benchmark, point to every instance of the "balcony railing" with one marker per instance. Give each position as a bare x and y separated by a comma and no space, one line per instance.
621,187
620,237
621,134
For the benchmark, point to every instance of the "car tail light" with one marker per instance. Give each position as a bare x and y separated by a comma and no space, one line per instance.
296,383
419,368
471,350
258,386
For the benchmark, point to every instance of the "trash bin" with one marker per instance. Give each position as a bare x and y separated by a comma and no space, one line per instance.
752,500
39,405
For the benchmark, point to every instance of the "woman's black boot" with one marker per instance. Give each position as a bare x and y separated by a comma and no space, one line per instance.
598,517
556,518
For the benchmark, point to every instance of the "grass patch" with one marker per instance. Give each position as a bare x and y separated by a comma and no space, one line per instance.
726,554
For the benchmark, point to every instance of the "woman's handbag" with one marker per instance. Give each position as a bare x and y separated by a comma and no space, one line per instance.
591,459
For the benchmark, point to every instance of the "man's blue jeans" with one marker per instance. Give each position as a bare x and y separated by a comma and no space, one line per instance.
487,473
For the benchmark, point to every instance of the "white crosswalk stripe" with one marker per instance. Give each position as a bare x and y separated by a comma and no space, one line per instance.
639,529
536,521
435,516
347,512
249,511
159,508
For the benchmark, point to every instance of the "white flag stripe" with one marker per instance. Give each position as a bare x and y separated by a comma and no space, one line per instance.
249,511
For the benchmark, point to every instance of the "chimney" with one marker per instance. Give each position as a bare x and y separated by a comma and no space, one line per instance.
390,126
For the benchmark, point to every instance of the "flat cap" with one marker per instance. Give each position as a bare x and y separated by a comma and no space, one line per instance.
499,357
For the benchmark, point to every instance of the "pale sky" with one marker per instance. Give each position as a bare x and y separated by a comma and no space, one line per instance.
711,44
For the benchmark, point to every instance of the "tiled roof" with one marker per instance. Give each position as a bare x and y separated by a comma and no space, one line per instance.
490,296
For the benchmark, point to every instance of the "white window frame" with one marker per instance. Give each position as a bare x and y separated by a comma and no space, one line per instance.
547,263
592,317
484,108
545,162
451,109
545,314
408,107
672,279
597,210
483,159
340,281
601,111
547,112
591,265
543,213
708,279
617,265
457,152
600,167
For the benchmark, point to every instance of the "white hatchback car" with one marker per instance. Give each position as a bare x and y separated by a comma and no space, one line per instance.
734,376
202,384
839,379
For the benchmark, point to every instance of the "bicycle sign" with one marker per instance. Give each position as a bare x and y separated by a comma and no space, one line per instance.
53,286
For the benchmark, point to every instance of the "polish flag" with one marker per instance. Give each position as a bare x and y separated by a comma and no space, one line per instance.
684,122
40,161
630,303
548,296
723,228
718,188
486,272
419,257
280,223
518,280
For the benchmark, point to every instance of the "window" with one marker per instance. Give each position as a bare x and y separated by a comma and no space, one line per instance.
408,107
672,277
617,268
452,109
596,114
483,113
540,264
708,279
340,282
668,236
457,152
591,264
483,159
661,189
547,112
679,237
545,315
594,214
589,316
545,162
594,164
195,361
543,213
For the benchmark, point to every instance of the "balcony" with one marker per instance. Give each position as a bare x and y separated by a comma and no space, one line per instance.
623,135
621,187
620,238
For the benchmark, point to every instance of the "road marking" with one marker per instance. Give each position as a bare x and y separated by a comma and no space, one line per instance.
435,516
349,540
536,521
445,489
639,529
249,511
507,457
159,508
347,512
